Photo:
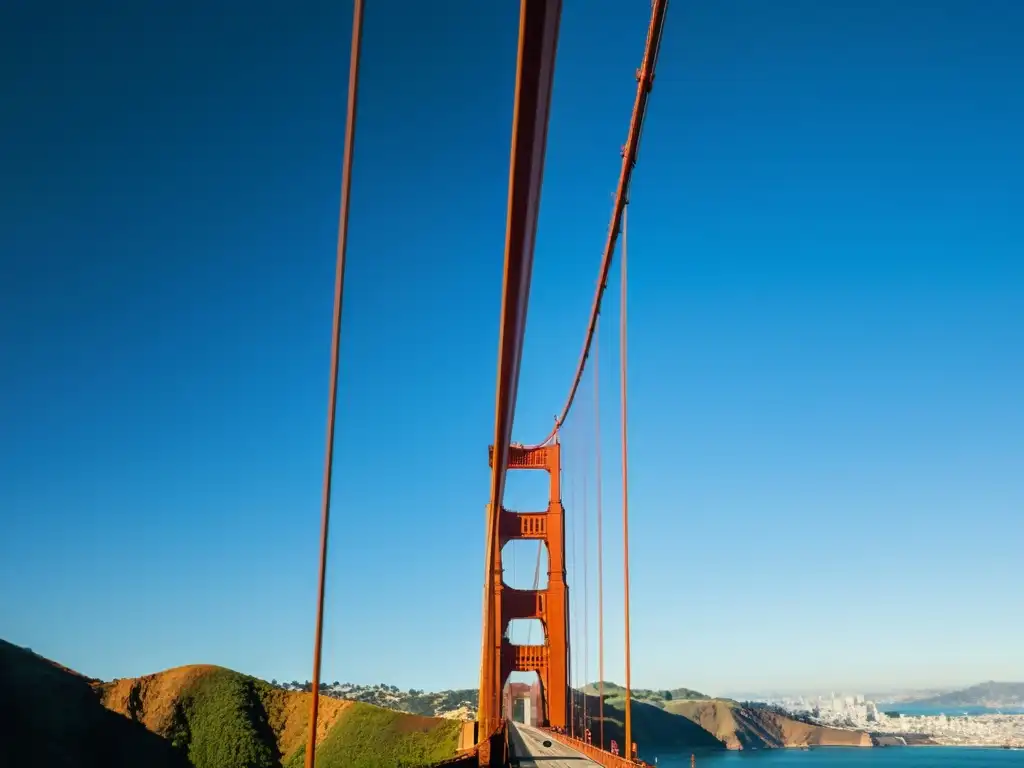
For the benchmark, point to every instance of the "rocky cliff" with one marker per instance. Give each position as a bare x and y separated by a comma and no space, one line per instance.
739,727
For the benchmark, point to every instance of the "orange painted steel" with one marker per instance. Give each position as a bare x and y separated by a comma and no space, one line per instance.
645,82
550,605
625,483
339,290
536,573
601,756
467,758
538,41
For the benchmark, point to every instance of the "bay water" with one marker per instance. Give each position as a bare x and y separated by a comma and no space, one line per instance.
847,757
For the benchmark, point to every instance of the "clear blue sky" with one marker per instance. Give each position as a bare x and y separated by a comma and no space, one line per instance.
827,381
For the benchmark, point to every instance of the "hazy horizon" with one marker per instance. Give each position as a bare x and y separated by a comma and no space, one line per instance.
712,690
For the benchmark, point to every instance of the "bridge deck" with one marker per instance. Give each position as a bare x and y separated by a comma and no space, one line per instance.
530,752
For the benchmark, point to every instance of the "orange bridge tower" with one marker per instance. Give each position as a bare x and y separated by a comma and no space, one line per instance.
551,605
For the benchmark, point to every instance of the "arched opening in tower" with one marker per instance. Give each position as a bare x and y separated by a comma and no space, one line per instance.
524,699
524,564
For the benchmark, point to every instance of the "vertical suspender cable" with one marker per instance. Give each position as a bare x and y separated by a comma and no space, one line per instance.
600,542
645,82
586,628
339,286
574,615
625,485
535,588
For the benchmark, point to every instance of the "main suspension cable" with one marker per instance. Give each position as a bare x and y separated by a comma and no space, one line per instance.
645,82
339,290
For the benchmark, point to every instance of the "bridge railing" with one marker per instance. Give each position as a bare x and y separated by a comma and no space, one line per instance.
598,755
464,758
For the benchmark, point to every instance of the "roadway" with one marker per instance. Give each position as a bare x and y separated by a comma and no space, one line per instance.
529,750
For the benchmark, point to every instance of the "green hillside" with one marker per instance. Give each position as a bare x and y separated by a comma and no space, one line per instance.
222,718
52,717
195,717
651,696
653,727
369,736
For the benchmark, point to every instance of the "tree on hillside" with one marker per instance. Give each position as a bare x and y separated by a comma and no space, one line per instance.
667,695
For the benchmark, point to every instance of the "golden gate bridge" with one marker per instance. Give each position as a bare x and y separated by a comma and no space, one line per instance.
568,728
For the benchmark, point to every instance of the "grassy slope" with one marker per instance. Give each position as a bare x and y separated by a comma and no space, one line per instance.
199,717
221,721
50,716
220,718
367,736
653,727
656,698
225,719
210,713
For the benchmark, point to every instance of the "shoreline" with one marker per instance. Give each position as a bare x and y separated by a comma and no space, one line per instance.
970,746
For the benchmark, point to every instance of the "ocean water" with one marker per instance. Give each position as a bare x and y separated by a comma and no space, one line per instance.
845,757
